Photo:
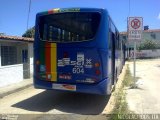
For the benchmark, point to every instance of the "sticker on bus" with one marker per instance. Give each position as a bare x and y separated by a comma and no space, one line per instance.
65,76
87,80
64,87
68,10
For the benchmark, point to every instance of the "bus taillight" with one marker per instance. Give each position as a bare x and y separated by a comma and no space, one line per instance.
65,55
98,72
97,64
37,66
37,62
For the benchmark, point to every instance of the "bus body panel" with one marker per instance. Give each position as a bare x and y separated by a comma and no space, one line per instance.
69,65
76,66
99,88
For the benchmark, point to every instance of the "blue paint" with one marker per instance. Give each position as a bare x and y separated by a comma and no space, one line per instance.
99,49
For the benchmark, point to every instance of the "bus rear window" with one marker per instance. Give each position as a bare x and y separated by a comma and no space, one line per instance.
69,27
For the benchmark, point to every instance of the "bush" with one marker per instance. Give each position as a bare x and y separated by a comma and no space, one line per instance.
147,45
29,33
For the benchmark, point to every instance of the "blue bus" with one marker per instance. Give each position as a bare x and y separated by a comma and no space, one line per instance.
78,50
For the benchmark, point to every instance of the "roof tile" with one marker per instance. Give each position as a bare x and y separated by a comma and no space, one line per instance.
16,38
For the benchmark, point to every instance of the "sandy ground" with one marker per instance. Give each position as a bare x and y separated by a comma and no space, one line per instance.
31,104
146,98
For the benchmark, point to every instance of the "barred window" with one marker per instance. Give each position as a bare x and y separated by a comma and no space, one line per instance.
8,55
153,36
124,37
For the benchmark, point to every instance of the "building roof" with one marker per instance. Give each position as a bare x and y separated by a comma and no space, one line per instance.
146,31
123,33
153,30
16,38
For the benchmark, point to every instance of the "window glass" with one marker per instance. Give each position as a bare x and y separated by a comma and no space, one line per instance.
8,55
69,27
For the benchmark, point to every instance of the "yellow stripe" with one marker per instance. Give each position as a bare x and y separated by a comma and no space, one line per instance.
56,10
54,61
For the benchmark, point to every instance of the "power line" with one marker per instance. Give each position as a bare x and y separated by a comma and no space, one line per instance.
129,8
29,9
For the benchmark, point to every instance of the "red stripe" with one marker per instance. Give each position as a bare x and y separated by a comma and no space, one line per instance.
50,12
48,58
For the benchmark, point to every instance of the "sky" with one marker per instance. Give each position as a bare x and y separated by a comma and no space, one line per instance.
13,13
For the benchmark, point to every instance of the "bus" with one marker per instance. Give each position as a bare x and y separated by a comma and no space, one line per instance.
78,50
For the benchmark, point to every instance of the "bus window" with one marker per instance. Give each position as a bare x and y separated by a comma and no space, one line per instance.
56,34
50,33
45,32
69,27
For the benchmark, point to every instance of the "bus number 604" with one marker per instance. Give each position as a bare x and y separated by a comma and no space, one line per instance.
78,70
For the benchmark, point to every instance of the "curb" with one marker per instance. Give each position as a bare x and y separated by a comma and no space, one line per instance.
111,103
5,91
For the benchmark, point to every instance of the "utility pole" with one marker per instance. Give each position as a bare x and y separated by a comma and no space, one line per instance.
29,9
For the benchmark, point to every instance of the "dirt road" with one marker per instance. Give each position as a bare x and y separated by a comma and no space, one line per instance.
34,104
61,105
146,98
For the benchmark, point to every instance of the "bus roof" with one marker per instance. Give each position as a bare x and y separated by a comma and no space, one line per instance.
63,10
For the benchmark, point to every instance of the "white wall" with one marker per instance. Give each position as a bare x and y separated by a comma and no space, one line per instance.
0,54
147,54
14,73
11,74
30,52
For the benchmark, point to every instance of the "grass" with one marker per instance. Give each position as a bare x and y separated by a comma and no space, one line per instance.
121,106
128,79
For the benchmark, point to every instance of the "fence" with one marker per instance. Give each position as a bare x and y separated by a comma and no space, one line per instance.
145,53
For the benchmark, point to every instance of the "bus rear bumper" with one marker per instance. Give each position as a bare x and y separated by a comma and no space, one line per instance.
99,88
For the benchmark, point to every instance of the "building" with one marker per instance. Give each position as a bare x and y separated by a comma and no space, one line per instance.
153,34
147,35
16,59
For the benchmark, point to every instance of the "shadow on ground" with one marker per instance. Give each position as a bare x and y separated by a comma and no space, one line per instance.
77,103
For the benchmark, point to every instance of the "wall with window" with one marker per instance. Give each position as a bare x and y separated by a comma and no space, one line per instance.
147,35
12,61
151,35
11,53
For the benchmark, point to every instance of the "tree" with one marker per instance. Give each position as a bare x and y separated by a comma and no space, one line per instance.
2,33
29,33
147,45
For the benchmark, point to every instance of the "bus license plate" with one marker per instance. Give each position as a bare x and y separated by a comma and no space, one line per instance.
64,87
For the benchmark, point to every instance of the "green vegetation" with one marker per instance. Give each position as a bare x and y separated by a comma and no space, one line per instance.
2,33
148,45
121,106
29,33
128,79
